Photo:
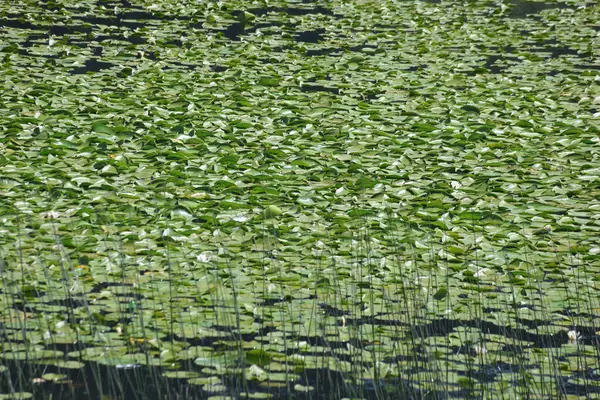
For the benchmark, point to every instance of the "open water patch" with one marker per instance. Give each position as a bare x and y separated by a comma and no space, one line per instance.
523,9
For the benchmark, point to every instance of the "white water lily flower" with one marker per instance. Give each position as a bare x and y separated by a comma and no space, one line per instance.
480,272
240,218
203,257
254,372
50,214
574,336
303,389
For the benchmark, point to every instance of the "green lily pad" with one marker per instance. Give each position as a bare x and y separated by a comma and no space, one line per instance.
54,377
272,211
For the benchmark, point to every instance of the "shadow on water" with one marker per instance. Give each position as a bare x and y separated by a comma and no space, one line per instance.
292,10
310,36
92,65
523,9
243,26
58,30
322,52
594,67
319,88
551,47
133,382
547,49
96,381
497,64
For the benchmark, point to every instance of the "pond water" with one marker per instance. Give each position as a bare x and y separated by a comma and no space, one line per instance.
309,200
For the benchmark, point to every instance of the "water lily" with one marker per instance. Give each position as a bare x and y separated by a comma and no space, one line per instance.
574,336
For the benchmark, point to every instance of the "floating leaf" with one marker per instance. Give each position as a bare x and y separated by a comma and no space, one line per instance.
258,357
272,211
268,81
470,108
441,294
54,377
102,127
16,396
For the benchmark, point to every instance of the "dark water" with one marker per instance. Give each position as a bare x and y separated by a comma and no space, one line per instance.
96,381
131,18
523,9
